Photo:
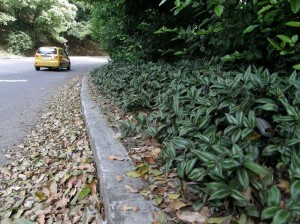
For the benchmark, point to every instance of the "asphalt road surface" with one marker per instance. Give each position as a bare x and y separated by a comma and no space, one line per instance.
24,93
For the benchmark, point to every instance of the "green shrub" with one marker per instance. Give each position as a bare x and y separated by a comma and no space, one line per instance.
18,42
227,133
252,31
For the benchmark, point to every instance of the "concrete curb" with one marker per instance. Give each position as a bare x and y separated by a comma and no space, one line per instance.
113,193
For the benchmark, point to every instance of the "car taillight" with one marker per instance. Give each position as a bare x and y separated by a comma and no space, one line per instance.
36,55
55,56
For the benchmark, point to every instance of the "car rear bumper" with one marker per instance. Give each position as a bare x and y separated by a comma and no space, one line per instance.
50,64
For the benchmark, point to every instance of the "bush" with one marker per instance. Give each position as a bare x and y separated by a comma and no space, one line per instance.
234,135
126,29
18,42
260,32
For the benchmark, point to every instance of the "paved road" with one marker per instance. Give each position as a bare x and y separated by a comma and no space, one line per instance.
24,93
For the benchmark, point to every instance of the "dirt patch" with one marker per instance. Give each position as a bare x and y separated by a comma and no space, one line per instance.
84,48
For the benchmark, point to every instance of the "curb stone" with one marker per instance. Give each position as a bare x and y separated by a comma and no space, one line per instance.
113,193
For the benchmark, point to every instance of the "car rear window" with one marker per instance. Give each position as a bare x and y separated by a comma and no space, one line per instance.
47,50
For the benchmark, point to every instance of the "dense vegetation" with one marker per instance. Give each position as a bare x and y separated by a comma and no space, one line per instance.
233,136
186,70
249,31
27,23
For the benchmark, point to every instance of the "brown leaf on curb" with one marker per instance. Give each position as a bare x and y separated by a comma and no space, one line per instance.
118,136
113,157
133,173
119,178
131,189
130,208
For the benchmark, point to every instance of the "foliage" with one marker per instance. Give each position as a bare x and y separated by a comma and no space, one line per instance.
260,31
18,42
275,22
46,20
56,19
244,32
81,27
80,30
234,136
108,23
84,10
126,29
5,18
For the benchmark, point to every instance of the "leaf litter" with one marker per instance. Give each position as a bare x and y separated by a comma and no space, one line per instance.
53,177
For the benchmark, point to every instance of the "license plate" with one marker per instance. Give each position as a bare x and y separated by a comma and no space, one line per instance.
46,58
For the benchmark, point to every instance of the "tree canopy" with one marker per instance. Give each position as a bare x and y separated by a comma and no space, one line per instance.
41,20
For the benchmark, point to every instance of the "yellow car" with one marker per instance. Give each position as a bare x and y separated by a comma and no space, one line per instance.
52,58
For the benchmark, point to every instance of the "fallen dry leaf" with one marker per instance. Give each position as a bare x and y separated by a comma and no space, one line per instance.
41,219
155,152
137,137
119,178
131,189
133,173
155,172
160,217
284,185
149,160
173,174
173,196
136,157
219,220
43,212
143,169
113,157
40,179
22,176
160,190
176,204
191,217
130,208
205,211
53,187
159,199
93,187
118,136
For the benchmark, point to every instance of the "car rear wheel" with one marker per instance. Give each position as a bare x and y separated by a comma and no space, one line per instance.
37,68
59,68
